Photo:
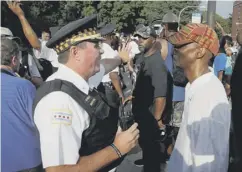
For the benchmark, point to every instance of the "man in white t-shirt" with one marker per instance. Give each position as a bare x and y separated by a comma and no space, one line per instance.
47,53
203,140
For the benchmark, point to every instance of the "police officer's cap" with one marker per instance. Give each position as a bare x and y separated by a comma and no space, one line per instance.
74,33
170,18
107,29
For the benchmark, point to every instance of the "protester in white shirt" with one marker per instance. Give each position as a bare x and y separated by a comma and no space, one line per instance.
47,53
202,143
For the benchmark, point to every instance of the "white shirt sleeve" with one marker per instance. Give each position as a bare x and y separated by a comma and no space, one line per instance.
116,56
96,79
61,122
33,70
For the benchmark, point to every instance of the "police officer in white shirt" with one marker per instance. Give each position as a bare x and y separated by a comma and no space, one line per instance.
203,140
74,137
111,83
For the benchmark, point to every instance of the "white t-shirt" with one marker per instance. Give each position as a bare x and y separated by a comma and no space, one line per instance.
61,120
203,140
108,53
47,53
134,49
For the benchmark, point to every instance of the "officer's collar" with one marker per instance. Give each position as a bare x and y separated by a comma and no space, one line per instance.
68,74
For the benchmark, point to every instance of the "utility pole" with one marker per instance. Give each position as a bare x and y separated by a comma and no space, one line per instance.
211,13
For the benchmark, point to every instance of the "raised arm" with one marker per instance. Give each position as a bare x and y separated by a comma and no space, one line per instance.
27,29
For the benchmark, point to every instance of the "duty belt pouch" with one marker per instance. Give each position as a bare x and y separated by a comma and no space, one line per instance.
126,117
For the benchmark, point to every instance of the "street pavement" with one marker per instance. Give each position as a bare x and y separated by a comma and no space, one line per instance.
128,163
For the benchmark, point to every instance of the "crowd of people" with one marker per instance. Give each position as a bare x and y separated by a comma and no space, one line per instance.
83,96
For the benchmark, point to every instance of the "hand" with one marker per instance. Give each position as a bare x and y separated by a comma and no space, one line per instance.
127,140
127,99
160,124
14,6
122,98
123,52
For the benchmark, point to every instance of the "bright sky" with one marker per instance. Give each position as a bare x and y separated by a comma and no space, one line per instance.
223,8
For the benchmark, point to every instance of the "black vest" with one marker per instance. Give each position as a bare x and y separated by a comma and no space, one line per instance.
103,124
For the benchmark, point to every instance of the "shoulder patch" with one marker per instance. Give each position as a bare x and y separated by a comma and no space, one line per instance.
61,116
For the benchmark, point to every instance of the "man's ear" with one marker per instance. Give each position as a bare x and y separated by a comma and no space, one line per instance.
14,60
200,52
74,52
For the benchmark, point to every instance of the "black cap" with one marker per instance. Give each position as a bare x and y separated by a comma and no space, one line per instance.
107,29
74,33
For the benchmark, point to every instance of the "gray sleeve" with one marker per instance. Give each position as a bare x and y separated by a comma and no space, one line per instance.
158,76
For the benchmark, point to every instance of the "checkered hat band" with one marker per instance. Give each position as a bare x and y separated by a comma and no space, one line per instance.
75,39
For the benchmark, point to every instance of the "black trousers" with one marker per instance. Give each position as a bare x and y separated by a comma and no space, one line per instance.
150,141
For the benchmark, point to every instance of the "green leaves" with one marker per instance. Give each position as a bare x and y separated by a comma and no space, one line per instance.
125,14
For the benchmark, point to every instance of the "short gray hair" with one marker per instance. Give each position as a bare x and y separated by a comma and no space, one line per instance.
9,49
63,57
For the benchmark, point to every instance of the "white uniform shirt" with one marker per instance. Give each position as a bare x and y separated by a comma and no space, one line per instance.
61,121
202,143
47,53
108,53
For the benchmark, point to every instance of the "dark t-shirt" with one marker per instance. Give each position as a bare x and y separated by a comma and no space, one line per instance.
153,81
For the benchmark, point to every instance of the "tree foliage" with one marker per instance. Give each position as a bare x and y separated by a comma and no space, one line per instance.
125,14
225,23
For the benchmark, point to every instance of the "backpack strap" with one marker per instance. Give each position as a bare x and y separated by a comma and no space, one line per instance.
91,104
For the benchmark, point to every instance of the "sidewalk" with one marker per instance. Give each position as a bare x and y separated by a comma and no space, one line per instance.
128,164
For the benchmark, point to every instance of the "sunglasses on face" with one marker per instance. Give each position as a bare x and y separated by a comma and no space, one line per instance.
140,37
181,46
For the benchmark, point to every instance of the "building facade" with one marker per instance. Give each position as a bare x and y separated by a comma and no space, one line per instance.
236,18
